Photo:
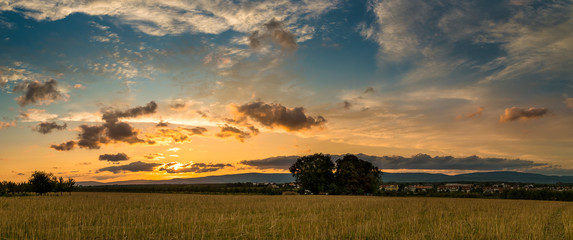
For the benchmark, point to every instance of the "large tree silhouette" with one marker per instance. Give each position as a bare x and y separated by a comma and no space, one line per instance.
43,182
313,172
356,176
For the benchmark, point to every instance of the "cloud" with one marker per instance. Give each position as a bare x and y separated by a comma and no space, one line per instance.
159,18
347,105
79,86
7,124
176,167
37,115
569,102
132,167
419,161
67,146
47,127
38,93
276,115
275,33
424,161
369,90
92,137
475,114
175,149
230,131
279,162
515,113
154,156
179,134
114,115
114,157
178,106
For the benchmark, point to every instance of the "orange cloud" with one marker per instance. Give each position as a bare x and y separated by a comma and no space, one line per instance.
477,113
515,113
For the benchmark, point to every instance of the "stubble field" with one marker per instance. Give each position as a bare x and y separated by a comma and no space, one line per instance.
184,216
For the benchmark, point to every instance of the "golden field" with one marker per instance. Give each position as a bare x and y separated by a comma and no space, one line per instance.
185,216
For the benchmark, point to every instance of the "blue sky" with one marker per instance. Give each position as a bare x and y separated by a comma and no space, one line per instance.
283,78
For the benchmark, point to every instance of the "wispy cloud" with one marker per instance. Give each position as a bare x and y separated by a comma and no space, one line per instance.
175,17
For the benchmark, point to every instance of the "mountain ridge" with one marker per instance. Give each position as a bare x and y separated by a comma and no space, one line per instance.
503,176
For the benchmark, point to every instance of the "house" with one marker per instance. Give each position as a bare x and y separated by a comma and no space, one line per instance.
455,187
389,187
418,188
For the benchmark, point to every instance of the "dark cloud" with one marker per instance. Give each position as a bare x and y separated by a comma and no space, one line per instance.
132,167
424,161
276,115
20,174
347,105
175,167
178,105
92,137
114,157
67,146
114,115
195,130
280,162
122,132
419,161
369,90
230,131
515,113
275,33
38,93
47,127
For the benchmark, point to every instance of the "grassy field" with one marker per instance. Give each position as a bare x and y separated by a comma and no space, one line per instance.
183,216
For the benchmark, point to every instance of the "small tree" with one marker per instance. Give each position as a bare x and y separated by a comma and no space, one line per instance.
356,176
313,172
60,186
69,185
42,182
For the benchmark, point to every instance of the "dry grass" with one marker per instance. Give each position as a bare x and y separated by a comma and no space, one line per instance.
180,216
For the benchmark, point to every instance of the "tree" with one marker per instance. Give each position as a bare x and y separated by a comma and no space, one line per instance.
42,182
69,185
313,172
356,176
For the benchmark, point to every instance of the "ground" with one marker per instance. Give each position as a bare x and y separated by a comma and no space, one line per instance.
188,216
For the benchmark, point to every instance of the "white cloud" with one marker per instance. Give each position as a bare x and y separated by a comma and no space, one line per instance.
177,16
37,115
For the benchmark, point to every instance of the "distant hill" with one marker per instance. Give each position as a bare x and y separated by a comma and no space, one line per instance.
477,177
232,178
387,177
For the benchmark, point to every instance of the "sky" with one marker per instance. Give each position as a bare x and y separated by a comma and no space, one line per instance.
125,89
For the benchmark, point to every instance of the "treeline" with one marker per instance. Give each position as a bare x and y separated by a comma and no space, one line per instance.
39,183
223,188
523,194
